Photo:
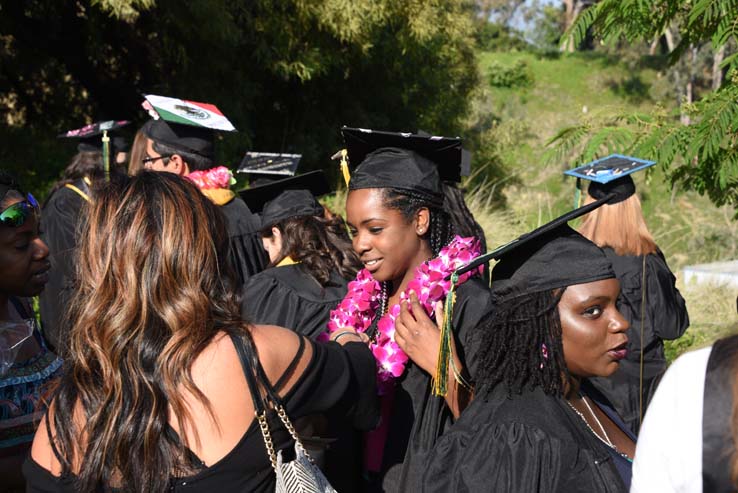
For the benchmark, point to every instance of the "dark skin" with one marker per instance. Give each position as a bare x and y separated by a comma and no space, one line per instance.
391,248
593,337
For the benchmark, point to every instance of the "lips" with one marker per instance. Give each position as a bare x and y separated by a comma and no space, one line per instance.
41,276
619,352
373,264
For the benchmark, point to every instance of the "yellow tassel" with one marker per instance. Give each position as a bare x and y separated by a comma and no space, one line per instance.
106,154
345,167
440,379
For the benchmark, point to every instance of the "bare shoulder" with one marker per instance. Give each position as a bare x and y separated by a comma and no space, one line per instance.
277,348
42,451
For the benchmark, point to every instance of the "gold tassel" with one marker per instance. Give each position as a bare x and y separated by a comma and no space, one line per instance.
345,166
440,380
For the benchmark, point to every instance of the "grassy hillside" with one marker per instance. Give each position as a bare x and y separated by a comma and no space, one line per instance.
552,93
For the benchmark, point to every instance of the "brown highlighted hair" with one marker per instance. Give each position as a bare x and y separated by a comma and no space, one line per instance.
154,290
138,152
619,226
320,244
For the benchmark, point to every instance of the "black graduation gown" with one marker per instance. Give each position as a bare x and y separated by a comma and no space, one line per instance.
418,417
524,443
290,297
247,252
60,221
665,318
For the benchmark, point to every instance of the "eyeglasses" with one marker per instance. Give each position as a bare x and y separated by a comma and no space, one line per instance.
149,159
16,214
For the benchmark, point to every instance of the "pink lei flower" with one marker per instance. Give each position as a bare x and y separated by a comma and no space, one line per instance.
220,177
362,301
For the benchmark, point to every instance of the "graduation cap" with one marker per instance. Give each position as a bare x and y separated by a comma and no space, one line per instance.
94,137
406,161
610,174
90,137
185,125
275,201
265,167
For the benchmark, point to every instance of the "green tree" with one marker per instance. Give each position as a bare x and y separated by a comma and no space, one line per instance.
696,142
288,73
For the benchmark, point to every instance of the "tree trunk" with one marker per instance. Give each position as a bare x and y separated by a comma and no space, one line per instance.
717,70
572,10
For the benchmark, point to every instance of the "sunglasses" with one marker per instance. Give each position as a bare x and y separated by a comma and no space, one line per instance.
16,214
148,159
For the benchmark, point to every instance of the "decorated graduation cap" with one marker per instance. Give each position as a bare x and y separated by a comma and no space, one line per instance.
610,174
294,196
185,125
405,161
94,137
549,257
266,167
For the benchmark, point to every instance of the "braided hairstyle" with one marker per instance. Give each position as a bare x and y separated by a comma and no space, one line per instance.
440,231
520,345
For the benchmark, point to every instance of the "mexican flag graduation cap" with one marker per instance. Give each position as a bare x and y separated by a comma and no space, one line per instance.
185,125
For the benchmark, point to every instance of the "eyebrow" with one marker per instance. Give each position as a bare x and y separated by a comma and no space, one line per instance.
590,299
370,220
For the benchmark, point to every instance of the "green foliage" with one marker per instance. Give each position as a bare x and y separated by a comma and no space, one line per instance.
518,75
700,155
491,36
288,73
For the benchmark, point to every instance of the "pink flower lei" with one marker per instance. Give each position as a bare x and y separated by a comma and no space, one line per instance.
219,177
362,301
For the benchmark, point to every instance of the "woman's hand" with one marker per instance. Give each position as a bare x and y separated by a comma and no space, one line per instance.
418,335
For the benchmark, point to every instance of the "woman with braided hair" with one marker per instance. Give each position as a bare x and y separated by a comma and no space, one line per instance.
404,236
536,423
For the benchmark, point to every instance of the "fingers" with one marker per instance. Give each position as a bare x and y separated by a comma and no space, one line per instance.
439,314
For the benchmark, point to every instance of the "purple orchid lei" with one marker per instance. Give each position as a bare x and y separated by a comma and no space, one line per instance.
430,283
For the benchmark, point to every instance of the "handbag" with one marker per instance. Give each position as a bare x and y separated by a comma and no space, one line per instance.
299,475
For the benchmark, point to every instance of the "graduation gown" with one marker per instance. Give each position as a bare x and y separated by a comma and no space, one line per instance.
290,297
247,252
525,443
665,318
60,221
419,418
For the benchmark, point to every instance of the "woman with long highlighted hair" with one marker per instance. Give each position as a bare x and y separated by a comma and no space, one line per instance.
155,396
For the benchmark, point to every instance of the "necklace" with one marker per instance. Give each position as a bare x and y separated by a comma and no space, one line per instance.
606,440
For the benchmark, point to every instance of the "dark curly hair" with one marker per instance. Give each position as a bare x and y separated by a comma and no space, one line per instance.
520,345
321,245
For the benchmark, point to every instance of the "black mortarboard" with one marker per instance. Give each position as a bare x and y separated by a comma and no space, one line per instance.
406,161
289,204
185,125
546,231
257,197
611,174
90,136
266,167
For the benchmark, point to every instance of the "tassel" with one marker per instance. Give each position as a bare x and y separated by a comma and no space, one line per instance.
440,380
106,154
578,194
345,167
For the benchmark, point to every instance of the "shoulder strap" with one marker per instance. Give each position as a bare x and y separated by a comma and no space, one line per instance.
57,454
246,358
291,368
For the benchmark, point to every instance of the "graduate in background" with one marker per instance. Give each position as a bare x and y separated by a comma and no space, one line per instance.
648,299
310,257
536,424
181,141
62,213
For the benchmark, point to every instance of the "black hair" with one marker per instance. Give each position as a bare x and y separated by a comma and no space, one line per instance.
463,220
194,161
441,230
520,345
321,245
8,186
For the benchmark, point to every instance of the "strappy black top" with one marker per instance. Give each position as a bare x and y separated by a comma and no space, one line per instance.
338,382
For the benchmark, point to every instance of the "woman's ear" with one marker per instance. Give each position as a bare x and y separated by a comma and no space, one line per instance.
276,232
422,221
